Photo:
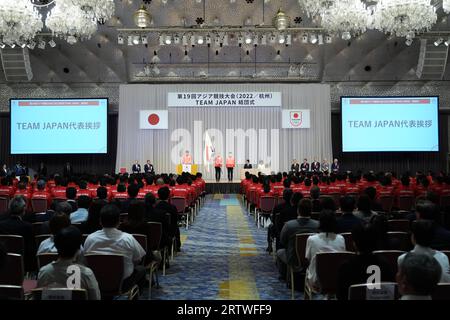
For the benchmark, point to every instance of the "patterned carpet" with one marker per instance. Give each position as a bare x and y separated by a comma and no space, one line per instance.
223,257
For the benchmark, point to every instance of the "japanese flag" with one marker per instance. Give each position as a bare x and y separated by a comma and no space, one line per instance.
154,119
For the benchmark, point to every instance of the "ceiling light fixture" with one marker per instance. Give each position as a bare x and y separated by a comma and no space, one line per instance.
142,18
281,21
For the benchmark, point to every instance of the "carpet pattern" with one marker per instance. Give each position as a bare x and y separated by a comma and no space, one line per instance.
223,257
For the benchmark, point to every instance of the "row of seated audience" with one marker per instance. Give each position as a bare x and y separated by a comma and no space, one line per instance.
369,233
106,187
346,183
67,220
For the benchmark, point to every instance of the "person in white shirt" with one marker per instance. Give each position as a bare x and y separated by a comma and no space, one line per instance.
81,214
325,241
417,276
58,222
110,240
421,237
55,274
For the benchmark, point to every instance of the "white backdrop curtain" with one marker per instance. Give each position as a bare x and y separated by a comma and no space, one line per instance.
273,145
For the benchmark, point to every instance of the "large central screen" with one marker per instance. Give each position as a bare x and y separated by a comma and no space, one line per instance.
390,124
58,126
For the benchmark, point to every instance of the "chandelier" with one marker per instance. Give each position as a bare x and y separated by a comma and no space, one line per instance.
100,10
346,17
403,17
446,6
19,22
141,17
315,7
70,22
281,20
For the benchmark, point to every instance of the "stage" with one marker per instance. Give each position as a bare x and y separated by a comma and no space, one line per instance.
223,187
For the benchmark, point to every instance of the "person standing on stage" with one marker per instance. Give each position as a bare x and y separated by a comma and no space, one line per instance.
136,168
315,166
295,167
230,166
335,166
247,165
148,168
305,166
325,165
187,158
218,161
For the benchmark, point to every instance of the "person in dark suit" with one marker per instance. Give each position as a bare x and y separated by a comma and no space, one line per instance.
154,215
348,220
136,168
4,171
247,165
304,166
354,271
295,167
288,213
335,166
165,207
42,170
315,166
148,167
14,225
68,171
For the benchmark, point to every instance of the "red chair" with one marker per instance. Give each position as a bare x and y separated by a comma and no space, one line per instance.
327,266
39,205
442,292
59,294
359,291
154,243
336,198
4,204
400,240
11,292
251,200
386,202
152,266
182,208
445,201
406,202
37,228
13,273
44,259
13,243
391,257
348,241
399,225
267,203
108,270
39,238
300,250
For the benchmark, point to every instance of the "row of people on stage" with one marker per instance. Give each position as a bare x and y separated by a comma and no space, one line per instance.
148,167
386,185
315,166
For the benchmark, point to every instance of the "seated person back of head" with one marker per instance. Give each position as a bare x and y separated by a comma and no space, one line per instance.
418,276
110,240
354,271
55,274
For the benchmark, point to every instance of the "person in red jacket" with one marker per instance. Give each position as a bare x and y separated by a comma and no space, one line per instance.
218,162
6,189
41,193
230,164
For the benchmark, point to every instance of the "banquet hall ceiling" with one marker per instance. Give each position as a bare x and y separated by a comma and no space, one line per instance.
372,56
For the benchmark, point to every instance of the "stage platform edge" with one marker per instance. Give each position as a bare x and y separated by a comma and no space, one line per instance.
223,187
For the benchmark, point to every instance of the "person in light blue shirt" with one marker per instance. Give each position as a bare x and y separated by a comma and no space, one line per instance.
81,214
58,222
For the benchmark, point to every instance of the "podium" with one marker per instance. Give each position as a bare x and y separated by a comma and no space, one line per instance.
191,168
251,171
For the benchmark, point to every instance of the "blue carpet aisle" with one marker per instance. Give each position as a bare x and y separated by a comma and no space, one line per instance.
223,257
